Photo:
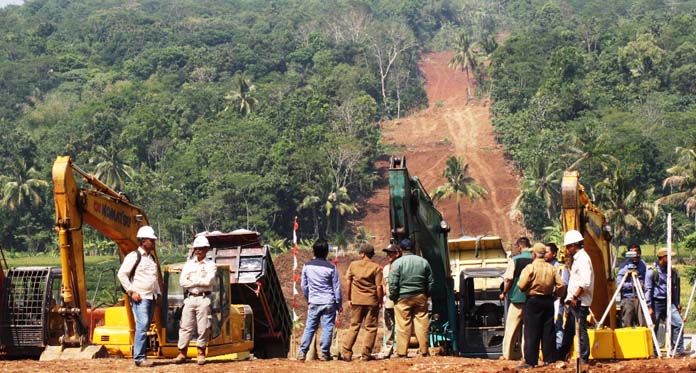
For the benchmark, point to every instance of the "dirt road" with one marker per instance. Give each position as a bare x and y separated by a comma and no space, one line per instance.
431,364
451,125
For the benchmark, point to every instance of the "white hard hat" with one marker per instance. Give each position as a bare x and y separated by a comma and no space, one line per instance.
146,231
201,241
571,237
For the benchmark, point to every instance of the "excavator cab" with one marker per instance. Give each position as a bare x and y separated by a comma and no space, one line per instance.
30,322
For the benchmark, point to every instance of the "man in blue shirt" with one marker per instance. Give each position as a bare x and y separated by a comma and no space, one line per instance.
631,314
656,297
321,286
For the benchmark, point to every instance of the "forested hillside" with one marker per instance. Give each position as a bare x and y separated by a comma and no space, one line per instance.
216,115
211,115
609,89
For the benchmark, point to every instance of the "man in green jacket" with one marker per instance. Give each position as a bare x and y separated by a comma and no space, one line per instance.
517,299
410,284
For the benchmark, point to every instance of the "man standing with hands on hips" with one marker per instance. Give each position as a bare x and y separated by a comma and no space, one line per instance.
196,278
139,278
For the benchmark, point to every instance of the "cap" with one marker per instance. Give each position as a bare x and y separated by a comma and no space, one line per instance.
146,231
391,248
201,241
539,248
406,244
662,252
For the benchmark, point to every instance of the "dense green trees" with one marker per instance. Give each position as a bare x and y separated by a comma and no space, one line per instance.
603,88
211,116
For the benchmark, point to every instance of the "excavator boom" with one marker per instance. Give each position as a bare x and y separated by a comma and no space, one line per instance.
581,214
108,212
412,215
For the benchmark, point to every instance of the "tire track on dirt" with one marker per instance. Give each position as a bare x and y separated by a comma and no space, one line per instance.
451,125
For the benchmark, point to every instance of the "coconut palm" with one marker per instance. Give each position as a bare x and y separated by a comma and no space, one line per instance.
362,235
22,188
309,202
110,168
683,179
459,184
543,180
243,98
339,201
624,208
464,58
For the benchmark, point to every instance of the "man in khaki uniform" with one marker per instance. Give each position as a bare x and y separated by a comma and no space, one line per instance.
410,285
365,297
542,283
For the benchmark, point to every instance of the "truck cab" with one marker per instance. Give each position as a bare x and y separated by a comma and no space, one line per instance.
478,264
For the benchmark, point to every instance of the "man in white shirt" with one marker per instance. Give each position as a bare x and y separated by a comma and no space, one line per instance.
579,296
139,277
196,279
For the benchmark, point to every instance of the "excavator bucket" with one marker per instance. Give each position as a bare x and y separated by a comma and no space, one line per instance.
73,353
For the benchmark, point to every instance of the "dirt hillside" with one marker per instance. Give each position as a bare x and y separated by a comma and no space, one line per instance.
451,125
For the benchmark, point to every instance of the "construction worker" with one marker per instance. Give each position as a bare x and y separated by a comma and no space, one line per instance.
321,286
517,299
656,298
631,314
139,278
541,283
551,257
196,279
364,294
393,253
410,285
579,296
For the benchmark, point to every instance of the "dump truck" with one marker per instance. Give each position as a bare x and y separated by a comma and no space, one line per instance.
467,317
254,282
46,313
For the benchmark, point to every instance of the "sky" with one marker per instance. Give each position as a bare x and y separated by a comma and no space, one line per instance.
4,3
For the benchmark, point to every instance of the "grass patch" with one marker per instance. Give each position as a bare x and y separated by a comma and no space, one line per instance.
96,268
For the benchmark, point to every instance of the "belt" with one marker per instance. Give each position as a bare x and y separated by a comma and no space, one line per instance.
203,294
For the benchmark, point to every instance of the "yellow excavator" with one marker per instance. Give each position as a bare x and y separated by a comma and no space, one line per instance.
45,309
580,213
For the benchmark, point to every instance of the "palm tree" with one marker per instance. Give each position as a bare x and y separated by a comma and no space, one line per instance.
243,97
362,235
464,58
683,179
624,208
24,187
543,180
308,203
459,184
111,169
339,201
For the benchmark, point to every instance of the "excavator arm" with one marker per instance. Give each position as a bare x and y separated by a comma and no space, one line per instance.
412,215
581,214
108,212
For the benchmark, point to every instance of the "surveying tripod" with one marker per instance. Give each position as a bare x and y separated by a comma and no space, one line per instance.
641,299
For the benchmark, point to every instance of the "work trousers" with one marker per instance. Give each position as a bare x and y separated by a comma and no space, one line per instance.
513,326
579,313
195,318
367,317
388,340
538,327
631,314
412,312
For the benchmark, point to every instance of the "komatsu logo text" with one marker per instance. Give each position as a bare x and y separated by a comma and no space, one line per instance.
112,214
